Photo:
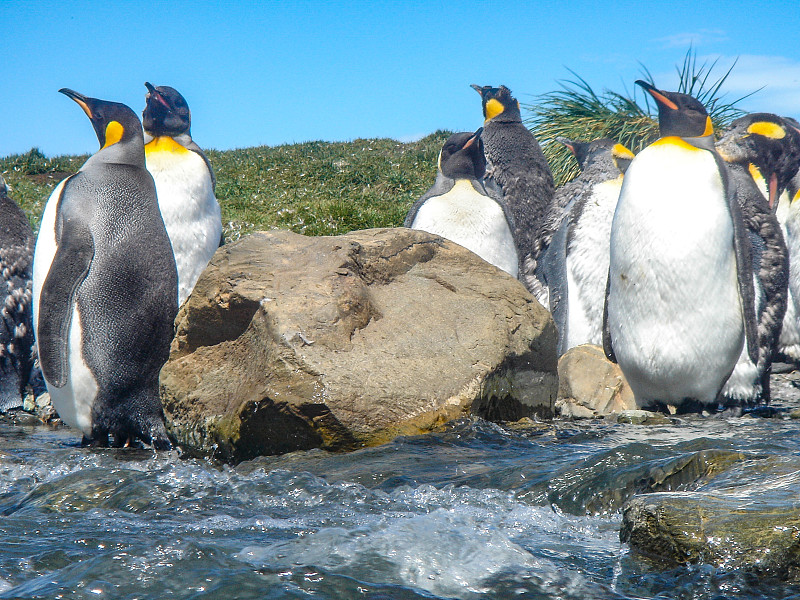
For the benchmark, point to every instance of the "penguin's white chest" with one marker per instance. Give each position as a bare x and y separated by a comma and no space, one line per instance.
188,206
674,310
73,401
472,220
587,265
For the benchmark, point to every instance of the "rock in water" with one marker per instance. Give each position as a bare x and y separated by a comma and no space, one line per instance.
291,342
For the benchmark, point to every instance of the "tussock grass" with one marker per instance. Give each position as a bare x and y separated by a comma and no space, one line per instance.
578,112
314,188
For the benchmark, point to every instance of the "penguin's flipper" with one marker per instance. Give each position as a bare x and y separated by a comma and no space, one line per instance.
607,347
69,268
744,258
191,145
552,269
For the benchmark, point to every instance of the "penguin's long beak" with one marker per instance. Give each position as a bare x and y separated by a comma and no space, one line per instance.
154,93
83,101
477,88
474,137
657,95
568,143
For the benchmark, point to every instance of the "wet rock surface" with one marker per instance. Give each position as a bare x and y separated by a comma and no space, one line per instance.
732,510
291,342
589,385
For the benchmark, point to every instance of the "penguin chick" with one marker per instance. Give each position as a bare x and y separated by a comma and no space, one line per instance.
105,288
764,149
679,305
753,143
459,208
517,166
184,183
16,332
574,264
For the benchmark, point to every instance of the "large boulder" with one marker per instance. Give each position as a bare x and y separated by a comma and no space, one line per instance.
291,342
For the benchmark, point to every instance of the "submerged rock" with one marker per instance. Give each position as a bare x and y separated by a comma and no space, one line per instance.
291,342
590,385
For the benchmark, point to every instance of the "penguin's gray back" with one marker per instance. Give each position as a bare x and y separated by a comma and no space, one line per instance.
516,163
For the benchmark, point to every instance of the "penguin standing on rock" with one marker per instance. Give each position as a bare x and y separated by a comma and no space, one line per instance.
516,164
679,306
459,208
184,182
574,264
16,331
105,288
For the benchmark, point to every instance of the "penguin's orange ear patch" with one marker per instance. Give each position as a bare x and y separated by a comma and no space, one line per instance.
620,151
493,108
769,130
709,127
114,131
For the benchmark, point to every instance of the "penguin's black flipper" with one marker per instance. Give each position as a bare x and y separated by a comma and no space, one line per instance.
608,349
69,268
551,268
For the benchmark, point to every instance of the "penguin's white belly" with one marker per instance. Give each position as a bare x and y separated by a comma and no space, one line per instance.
587,265
472,220
189,209
789,341
675,314
73,401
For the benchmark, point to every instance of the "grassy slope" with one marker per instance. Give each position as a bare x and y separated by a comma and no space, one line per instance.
314,188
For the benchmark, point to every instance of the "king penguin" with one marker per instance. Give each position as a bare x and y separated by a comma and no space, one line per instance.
458,206
105,288
16,335
574,263
679,306
516,165
184,182
764,147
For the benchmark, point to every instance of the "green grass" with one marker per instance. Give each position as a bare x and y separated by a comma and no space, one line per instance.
314,188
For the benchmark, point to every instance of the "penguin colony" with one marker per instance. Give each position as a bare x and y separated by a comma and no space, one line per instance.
682,261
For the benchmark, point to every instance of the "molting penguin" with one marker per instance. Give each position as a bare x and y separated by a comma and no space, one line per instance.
105,288
679,304
184,182
516,164
459,208
763,147
16,332
574,264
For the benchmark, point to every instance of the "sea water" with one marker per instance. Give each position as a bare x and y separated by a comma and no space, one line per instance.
476,510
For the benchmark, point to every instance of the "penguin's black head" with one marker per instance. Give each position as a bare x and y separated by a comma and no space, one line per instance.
166,113
604,150
679,114
768,145
113,122
462,156
497,102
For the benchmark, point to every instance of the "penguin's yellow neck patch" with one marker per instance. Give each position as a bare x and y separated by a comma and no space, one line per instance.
493,108
114,131
674,140
164,144
769,130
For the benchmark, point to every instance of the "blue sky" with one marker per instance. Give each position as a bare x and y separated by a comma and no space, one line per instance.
284,72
